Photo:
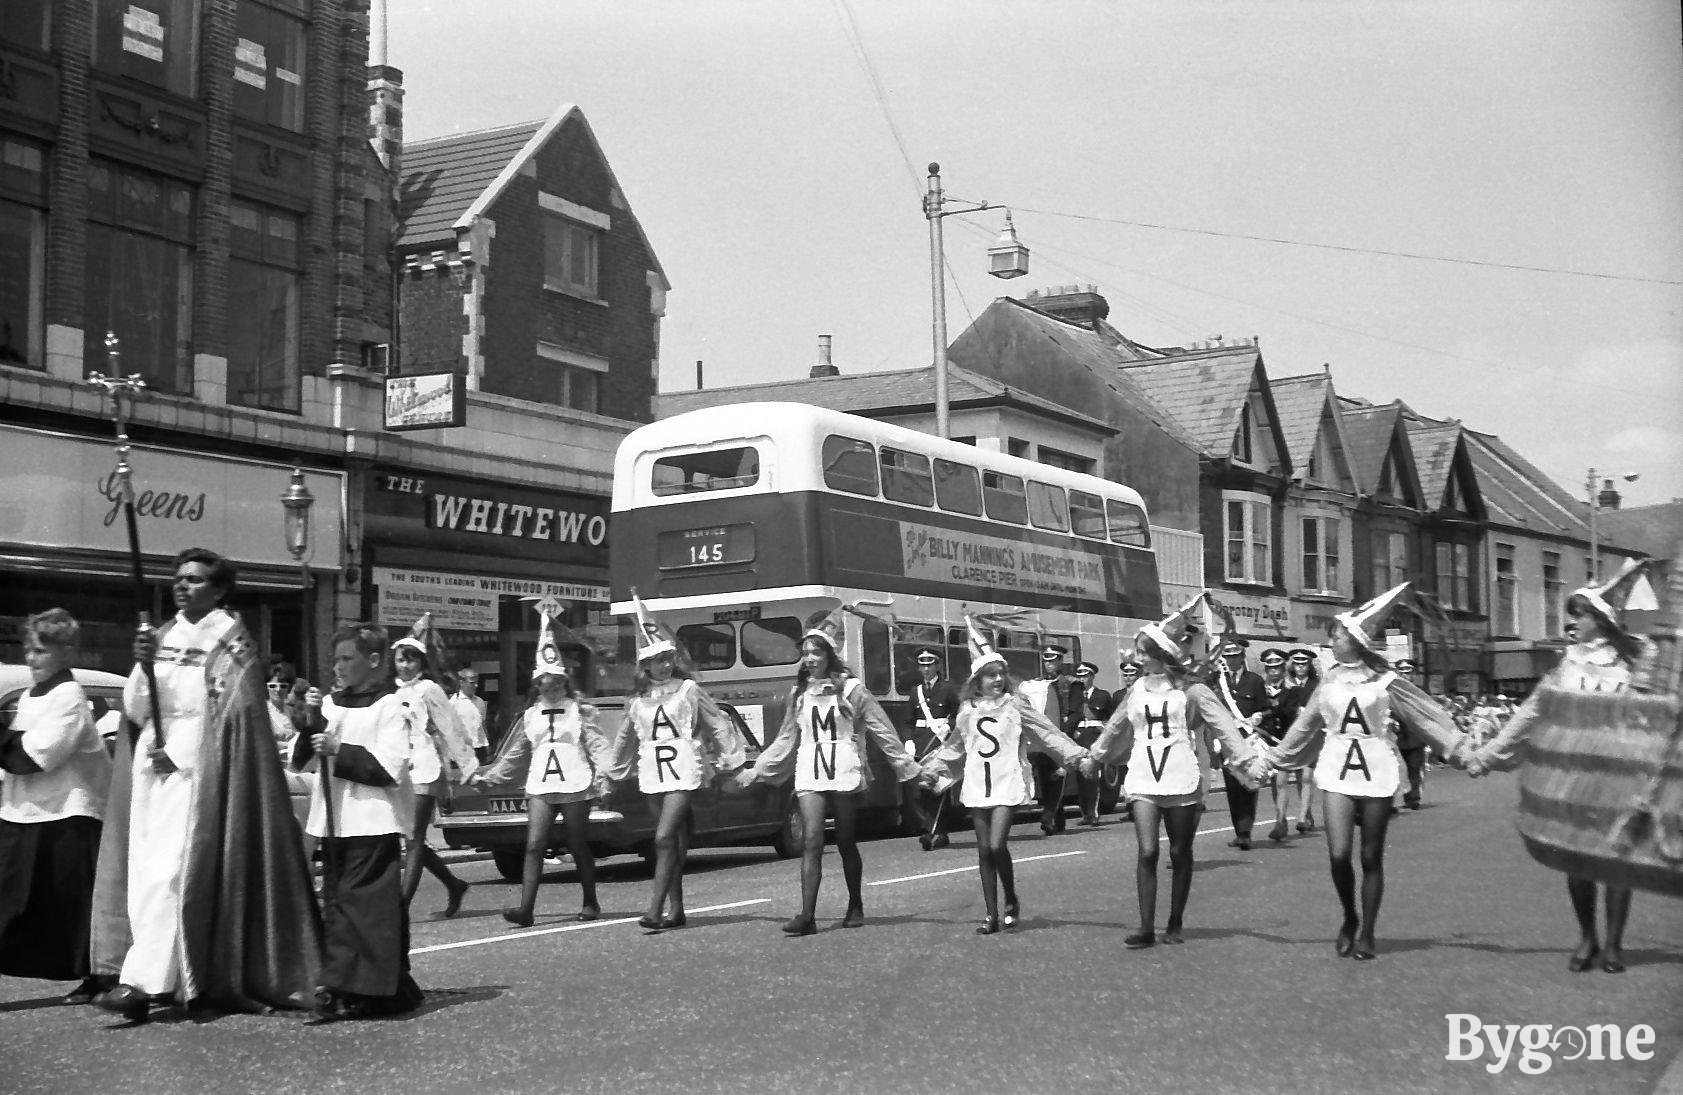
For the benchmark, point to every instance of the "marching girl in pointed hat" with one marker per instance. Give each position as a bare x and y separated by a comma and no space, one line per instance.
565,757
675,738
1358,767
1158,729
1599,659
996,728
440,744
822,743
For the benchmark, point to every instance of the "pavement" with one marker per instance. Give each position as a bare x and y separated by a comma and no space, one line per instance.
1255,1001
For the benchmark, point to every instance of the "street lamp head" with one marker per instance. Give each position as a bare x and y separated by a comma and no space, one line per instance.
934,169
1008,258
297,501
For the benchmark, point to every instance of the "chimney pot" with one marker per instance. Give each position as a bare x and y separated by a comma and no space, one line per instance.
824,366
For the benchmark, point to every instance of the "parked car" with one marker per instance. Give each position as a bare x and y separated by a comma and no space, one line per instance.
493,818
105,692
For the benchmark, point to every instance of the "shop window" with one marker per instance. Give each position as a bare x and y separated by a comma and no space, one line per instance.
1048,507
570,257
27,23
263,289
697,472
772,641
269,52
709,646
23,249
1086,514
139,280
1250,538
1321,573
850,465
154,41
957,489
1127,523
906,477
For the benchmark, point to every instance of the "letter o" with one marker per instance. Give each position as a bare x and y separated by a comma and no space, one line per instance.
597,530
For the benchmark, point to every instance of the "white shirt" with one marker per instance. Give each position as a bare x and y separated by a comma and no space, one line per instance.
382,728
59,735
472,714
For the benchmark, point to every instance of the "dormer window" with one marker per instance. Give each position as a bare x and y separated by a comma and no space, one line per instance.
1242,437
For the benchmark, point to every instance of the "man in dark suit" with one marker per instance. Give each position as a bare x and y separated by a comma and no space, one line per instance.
1059,697
1098,705
934,705
1249,697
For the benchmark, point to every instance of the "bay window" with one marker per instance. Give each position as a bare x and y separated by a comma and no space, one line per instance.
1249,535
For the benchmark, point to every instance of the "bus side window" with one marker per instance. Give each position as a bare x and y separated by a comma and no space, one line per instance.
1127,523
850,465
1002,495
877,658
710,646
905,477
1048,508
1086,513
773,641
956,488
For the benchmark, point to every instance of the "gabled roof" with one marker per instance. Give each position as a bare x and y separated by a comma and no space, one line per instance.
1372,430
1438,448
1306,404
1519,495
448,182
1657,530
904,391
1205,391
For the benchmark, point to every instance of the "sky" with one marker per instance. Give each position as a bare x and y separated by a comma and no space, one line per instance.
1213,168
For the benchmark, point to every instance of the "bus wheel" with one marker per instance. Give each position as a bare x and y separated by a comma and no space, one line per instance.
787,841
1110,787
510,862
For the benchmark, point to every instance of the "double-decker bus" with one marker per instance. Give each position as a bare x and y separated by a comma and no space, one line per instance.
735,523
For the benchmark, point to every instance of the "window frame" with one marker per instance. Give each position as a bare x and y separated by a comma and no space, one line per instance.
748,474
283,109
905,476
950,472
120,49
1554,595
1255,535
1085,502
1505,609
561,234
1014,503
265,253
1047,505
1454,580
1325,561
830,453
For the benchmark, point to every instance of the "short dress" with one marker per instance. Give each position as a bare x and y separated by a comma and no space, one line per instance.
437,741
564,752
1348,720
822,740
1157,729
991,747
676,739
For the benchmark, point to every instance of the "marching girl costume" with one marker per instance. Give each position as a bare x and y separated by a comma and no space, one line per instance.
52,804
1159,728
829,718
566,758
1599,660
676,739
1346,729
439,752
995,730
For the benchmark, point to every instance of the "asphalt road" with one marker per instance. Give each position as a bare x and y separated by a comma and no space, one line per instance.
1256,1001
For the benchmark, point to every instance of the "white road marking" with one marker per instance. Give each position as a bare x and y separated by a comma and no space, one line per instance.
572,928
967,870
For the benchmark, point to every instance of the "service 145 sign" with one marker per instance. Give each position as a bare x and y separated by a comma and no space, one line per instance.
425,401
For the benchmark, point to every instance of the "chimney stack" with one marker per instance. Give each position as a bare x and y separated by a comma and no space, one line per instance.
385,107
1078,304
824,367
1609,498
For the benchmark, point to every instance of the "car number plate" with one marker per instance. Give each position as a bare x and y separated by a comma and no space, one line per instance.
508,806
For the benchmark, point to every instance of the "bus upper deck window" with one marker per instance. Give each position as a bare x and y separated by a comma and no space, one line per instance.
774,641
906,478
1002,495
1127,523
1086,513
956,487
850,465
710,646
715,469
1048,507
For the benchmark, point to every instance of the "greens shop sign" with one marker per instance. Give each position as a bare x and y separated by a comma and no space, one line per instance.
464,515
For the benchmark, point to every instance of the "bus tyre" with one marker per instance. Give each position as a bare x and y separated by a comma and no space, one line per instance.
511,862
786,842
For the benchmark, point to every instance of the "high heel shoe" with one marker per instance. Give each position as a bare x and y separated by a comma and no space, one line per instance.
1578,963
1013,911
990,926
800,925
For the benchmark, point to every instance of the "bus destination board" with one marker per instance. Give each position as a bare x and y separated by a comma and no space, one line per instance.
702,547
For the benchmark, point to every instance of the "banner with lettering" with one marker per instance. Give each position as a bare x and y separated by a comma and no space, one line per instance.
939,554
463,602
462,515
56,490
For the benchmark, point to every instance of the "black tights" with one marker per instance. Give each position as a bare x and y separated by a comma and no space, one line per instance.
539,816
1182,824
843,806
672,847
420,854
1341,811
1582,891
993,831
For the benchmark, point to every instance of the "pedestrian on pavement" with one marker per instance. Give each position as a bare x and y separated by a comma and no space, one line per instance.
1244,692
52,803
675,739
469,707
1058,696
828,719
439,755
995,730
203,894
1599,659
566,758
934,704
1303,676
362,736
1348,721
1159,728
1096,706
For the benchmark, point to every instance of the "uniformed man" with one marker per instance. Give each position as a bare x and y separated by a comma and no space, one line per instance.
1097,705
1059,696
1249,697
934,703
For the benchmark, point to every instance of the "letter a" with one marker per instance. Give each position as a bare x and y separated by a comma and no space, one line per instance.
1355,759
661,718
552,767
1353,718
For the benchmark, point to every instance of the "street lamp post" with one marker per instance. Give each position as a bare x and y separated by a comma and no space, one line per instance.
1006,259
1593,497
296,502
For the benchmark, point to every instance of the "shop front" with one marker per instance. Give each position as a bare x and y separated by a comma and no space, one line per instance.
1258,618
64,542
1453,659
482,557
